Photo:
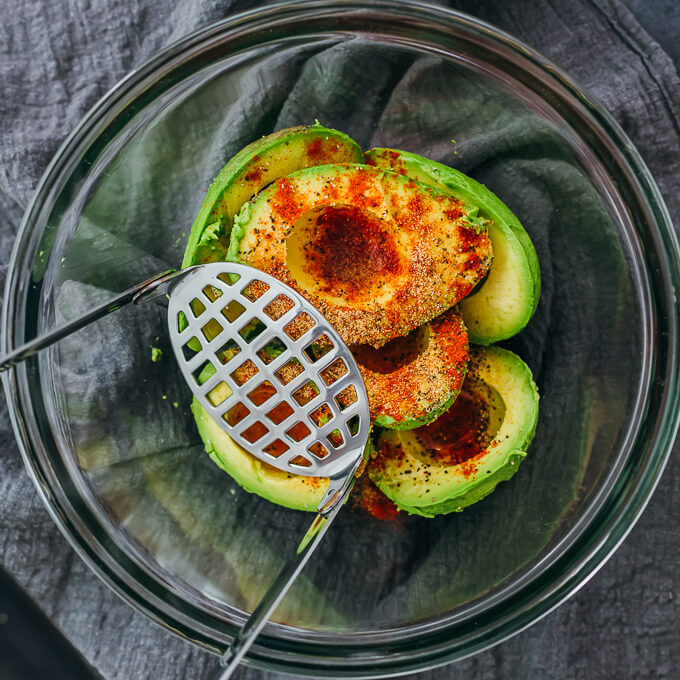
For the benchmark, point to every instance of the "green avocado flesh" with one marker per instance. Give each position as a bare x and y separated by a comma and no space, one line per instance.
462,456
253,168
298,492
507,299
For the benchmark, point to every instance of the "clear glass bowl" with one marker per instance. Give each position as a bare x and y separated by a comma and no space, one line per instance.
107,435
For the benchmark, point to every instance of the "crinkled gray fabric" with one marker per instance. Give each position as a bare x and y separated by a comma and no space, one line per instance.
57,59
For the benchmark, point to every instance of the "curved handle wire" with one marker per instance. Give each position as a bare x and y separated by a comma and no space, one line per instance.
252,627
139,293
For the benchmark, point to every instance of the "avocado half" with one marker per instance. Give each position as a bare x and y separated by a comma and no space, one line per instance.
507,299
378,254
253,168
428,471
411,380
246,173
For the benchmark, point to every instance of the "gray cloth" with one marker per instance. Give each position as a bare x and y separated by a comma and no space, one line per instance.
57,59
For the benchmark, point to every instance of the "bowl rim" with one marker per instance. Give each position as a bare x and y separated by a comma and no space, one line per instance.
557,583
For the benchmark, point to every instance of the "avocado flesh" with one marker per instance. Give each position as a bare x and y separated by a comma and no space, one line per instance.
251,169
420,484
507,299
413,379
377,253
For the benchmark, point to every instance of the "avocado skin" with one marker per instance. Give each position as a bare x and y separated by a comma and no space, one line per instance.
490,206
244,175
464,493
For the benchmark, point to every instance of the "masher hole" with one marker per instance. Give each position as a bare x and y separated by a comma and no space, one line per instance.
299,326
318,449
256,431
232,311
272,350
334,371
229,278
228,351
336,439
203,373
322,415
219,394
346,397
289,371
279,306
263,392
280,412
252,329
276,448
211,330
298,432
236,414
319,348
255,290
243,373
306,393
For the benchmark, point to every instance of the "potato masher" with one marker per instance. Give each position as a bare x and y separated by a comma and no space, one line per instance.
273,373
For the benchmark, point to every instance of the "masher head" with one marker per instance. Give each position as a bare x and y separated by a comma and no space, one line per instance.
269,369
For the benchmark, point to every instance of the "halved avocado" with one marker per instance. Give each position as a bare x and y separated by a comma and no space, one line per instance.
251,169
413,379
507,299
377,253
479,442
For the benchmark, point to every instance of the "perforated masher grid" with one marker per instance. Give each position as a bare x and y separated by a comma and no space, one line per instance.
259,338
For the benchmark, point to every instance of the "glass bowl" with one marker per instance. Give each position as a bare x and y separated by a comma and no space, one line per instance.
106,432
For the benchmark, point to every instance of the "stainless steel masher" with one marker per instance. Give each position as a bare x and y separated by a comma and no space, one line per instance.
273,373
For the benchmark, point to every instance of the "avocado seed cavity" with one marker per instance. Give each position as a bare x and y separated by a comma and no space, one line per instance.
344,254
395,354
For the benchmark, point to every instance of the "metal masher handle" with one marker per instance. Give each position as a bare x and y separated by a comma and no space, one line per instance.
252,627
142,291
